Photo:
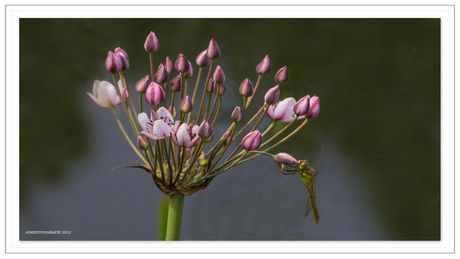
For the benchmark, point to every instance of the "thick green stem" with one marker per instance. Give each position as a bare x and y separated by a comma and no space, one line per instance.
176,205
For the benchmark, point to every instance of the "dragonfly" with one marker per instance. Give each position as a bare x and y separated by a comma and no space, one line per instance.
308,175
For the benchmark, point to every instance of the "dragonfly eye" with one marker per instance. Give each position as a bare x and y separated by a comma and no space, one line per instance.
304,163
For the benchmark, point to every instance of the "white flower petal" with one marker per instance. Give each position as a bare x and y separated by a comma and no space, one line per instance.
143,119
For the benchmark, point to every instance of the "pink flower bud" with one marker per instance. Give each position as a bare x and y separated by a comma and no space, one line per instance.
264,66
205,131
161,75
113,63
237,114
246,88
202,59
168,65
185,105
175,84
282,75
210,86
123,57
219,89
155,94
213,50
189,72
218,76
151,43
273,95
252,140
314,107
302,106
142,143
181,64
141,85
285,159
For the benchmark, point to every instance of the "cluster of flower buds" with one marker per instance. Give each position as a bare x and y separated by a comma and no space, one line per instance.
174,143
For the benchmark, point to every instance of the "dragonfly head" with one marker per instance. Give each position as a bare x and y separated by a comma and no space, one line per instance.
303,164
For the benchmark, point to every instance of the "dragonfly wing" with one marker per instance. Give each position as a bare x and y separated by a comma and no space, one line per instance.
319,160
308,206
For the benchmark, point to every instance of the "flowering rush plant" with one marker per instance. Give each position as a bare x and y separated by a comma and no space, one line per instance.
171,135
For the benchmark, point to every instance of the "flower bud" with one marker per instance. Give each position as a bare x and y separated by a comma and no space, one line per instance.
210,86
246,88
185,105
282,75
252,140
161,75
181,64
213,50
273,95
175,84
219,89
302,106
237,114
151,43
202,59
264,66
202,160
113,63
218,76
123,57
205,131
225,138
189,72
314,107
141,85
169,66
142,143
285,159
155,94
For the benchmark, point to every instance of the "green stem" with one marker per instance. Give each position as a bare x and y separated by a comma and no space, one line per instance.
217,113
176,205
126,135
152,71
254,93
128,113
140,102
194,91
204,93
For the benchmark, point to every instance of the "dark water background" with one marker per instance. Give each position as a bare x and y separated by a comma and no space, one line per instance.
379,84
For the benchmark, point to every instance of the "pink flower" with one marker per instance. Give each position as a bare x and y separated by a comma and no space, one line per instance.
283,110
252,140
105,95
159,124
184,136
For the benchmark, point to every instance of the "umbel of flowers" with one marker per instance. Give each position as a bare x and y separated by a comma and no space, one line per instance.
171,133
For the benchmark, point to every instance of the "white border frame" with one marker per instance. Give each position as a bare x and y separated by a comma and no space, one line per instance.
14,13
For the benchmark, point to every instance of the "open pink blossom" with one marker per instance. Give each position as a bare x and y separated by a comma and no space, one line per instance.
184,136
159,124
105,95
282,111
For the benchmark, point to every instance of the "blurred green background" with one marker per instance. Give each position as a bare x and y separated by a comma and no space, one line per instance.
379,85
